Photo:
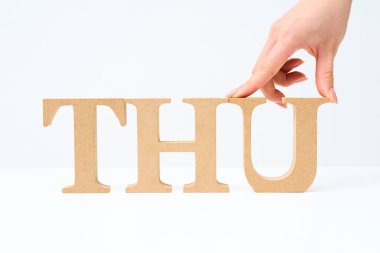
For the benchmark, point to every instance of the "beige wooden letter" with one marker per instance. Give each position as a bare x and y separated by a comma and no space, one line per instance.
149,146
303,170
85,146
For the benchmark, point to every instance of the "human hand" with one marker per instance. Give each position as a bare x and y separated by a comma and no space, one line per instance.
318,26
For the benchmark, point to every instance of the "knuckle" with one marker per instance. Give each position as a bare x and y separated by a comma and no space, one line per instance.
287,32
290,37
274,28
328,76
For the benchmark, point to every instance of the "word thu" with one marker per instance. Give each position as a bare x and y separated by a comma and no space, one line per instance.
297,179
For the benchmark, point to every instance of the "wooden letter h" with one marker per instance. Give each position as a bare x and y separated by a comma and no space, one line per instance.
298,178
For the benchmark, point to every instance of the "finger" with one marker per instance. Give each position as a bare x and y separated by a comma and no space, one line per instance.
264,52
229,94
287,79
291,64
266,49
271,93
324,75
266,69
284,78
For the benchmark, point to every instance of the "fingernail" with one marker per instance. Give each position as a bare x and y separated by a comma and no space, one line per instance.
229,94
237,94
283,105
332,96
299,63
301,79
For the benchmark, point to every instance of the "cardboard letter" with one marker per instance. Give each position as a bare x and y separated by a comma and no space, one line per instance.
85,146
303,170
150,146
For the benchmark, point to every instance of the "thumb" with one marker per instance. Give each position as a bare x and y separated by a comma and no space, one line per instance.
324,75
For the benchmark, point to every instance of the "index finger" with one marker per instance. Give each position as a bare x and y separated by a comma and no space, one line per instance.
267,68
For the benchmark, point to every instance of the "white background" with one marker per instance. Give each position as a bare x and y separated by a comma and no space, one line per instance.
174,49
179,49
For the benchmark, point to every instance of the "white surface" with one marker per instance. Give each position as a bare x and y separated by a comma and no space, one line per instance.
175,49
340,213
